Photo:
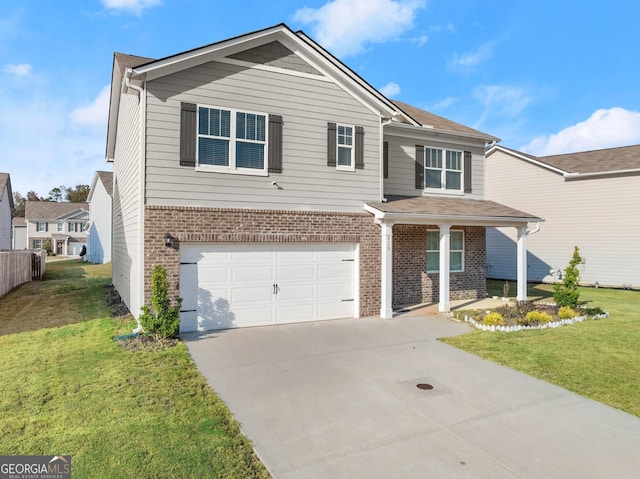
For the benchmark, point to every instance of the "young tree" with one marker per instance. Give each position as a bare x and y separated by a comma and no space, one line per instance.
160,320
567,294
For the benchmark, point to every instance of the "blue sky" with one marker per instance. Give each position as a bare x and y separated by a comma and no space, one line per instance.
545,76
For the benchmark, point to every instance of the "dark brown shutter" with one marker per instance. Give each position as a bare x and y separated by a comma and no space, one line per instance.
385,159
419,167
467,172
188,134
46,226
275,144
359,147
332,144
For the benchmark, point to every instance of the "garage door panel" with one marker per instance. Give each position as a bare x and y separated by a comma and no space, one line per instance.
235,284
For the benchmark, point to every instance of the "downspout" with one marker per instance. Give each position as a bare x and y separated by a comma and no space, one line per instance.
529,233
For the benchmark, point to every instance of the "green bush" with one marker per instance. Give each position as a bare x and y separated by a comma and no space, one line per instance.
160,320
493,319
595,311
567,294
536,317
566,313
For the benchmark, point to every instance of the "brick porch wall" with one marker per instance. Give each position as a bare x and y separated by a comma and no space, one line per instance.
215,225
411,283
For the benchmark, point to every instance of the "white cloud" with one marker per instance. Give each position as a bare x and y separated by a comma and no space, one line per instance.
500,100
442,104
472,59
390,90
133,6
442,28
20,69
345,27
95,113
603,129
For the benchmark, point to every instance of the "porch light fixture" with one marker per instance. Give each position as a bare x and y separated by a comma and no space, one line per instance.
170,241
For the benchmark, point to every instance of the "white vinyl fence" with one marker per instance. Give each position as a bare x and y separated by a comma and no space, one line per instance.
17,267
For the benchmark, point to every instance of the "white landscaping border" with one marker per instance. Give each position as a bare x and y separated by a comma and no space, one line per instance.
520,327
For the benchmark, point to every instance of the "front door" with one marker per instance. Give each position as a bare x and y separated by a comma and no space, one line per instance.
59,247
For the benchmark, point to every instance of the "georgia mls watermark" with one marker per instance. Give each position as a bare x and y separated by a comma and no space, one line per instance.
35,467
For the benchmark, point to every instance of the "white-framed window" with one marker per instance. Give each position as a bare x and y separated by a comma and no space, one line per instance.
37,244
76,227
443,169
345,148
41,226
232,140
456,251
59,227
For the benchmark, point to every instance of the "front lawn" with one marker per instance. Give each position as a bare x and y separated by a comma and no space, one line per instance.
73,390
599,359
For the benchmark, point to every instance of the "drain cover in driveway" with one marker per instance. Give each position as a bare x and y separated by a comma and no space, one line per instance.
425,386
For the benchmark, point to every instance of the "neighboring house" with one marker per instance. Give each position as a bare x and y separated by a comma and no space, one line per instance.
588,199
19,233
6,206
99,228
276,185
62,223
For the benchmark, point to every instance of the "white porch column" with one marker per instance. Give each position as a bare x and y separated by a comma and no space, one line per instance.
522,263
386,270
445,267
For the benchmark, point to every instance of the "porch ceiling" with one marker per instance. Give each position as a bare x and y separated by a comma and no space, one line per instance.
457,211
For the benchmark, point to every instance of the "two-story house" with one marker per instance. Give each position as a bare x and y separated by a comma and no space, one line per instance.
6,206
99,226
276,185
64,224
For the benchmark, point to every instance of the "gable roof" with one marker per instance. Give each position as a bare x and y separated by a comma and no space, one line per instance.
607,161
5,184
430,120
18,222
106,178
49,210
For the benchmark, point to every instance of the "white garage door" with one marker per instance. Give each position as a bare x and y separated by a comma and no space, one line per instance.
235,285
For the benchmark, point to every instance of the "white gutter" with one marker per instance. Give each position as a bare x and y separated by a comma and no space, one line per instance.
578,176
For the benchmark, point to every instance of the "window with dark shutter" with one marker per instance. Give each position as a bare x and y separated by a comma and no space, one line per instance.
419,167
332,145
359,144
467,172
275,144
188,134
385,159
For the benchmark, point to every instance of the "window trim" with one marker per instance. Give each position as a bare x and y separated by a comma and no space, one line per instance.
351,147
39,241
233,140
462,251
60,227
443,172
44,226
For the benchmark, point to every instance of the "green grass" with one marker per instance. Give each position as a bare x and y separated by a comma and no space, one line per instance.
72,390
598,359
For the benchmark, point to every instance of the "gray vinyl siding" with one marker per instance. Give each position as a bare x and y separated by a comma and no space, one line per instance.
402,153
306,105
126,204
5,221
99,237
598,215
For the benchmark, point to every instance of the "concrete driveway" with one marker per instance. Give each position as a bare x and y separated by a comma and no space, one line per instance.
339,399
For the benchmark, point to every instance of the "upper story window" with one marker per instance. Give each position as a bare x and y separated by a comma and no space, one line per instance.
76,227
443,169
41,226
59,226
231,140
345,147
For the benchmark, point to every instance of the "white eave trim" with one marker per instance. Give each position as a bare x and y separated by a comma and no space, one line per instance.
602,174
417,132
526,158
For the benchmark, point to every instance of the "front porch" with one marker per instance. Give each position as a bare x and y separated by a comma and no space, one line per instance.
437,218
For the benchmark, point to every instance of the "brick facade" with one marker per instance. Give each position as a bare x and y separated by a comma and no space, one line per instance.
217,225
413,285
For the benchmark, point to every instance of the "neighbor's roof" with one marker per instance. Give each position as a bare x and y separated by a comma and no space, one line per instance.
18,221
46,210
608,160
435,208
5,183
430,120
125,61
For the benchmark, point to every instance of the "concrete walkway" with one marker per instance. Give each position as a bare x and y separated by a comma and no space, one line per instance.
339,399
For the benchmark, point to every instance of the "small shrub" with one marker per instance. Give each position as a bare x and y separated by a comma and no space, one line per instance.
567,294
595,311
515,311
566,313
493,319
536,317
161,320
